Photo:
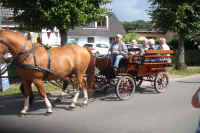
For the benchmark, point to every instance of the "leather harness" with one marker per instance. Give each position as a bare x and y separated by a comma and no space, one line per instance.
30,66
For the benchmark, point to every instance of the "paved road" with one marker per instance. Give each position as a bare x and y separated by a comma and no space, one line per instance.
146,112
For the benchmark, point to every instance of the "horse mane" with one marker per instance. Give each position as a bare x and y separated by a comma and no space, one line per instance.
8,31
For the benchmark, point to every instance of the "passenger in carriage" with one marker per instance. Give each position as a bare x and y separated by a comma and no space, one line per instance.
152,46
134,49
118,50
151,43
134,44
163,44
145,46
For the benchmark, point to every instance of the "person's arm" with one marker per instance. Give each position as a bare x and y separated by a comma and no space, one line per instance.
110,49
196,99
124,50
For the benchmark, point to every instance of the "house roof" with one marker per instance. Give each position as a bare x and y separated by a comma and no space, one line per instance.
114,27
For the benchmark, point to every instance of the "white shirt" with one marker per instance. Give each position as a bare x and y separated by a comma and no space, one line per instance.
165,47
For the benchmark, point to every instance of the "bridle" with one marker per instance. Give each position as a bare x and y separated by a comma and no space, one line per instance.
13,59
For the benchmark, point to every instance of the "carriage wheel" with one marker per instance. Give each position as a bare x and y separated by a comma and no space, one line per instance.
125,87
161,82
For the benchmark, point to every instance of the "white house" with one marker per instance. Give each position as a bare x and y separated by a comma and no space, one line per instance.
102,31
50,38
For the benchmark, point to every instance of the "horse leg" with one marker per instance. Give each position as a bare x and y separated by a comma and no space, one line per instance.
31,99
74,100
63,93
40,87
83,88
27,87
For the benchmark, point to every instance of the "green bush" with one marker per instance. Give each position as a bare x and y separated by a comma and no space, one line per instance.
191,57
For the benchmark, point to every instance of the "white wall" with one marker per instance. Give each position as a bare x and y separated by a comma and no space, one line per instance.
81,40
53,39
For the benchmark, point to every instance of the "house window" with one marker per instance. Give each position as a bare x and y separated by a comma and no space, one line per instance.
90,39
102,23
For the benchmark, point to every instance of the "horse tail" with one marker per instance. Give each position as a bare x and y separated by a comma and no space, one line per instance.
91,75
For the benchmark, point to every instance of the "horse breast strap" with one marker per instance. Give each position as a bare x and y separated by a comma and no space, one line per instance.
49,62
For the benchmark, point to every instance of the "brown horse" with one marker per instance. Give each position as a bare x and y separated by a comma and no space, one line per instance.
64,61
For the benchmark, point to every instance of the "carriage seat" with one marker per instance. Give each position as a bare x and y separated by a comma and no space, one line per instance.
152,56
157,56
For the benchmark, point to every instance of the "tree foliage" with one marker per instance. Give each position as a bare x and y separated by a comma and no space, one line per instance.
182,17
137,25
63,14
129,37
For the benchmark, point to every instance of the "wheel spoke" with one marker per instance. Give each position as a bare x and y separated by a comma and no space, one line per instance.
125,87
161,82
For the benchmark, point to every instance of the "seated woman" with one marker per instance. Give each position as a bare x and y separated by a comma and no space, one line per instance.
134,49
151,44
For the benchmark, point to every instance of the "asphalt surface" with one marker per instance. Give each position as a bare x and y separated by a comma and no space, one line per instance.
146,112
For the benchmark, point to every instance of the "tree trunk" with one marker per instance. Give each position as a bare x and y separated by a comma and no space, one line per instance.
63,35
181,54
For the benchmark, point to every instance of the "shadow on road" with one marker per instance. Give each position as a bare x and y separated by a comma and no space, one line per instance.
12,105
188,82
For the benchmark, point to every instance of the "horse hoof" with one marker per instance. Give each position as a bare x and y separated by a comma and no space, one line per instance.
22,114
83,105
70,107
48,113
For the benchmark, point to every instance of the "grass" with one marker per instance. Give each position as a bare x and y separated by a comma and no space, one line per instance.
51,87
15,91
189,71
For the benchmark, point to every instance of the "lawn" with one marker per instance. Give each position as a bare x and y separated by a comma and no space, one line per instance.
189,71
13,91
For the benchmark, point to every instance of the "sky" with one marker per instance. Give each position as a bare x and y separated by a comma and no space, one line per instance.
130,10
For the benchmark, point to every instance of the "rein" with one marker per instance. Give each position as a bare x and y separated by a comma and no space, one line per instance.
12,60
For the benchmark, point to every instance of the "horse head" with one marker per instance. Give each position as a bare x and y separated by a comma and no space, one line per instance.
14,41
3,45
3,48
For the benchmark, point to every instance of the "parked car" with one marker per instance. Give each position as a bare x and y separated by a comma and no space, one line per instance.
98,49
102,49
91,46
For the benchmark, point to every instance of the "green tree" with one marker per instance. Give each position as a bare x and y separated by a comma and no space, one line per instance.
137,25
182,17
130,36
63,14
